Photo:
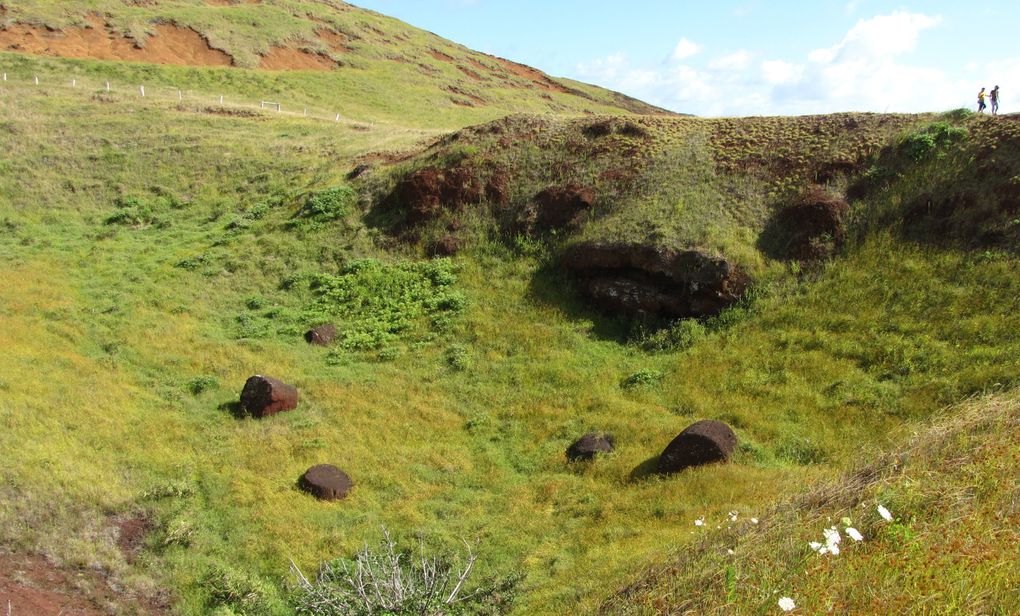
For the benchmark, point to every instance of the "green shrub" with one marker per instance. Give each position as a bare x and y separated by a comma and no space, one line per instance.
202,384
133,211
242,593
642,378
330,204
931,141
681,335
378,305
458,357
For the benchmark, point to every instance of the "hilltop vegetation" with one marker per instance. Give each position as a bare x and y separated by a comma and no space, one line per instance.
162,252
329,55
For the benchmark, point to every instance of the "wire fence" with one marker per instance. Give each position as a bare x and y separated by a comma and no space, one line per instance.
165,93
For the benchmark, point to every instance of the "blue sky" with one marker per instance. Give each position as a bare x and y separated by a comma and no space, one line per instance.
749,57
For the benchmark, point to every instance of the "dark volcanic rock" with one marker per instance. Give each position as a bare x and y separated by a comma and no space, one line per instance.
326,482
703,442
639,280
263,396
322,335
429,192
358,171
556,208
588,446
446,246
811,229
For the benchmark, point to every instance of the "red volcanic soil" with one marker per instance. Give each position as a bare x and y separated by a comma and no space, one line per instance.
290,59
29,584
170,44
535,76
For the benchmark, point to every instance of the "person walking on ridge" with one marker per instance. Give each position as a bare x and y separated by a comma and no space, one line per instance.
994,95
981,100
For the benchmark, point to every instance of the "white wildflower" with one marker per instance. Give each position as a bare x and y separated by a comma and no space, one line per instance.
730,552
786,604
831,536
733,516
815,546
700,521
882,511
754,520
854,534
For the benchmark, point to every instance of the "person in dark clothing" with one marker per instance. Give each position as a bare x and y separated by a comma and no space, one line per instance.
994,95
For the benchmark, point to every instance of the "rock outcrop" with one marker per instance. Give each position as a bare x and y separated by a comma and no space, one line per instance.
263,396
812,228
557,208
703,442
639,280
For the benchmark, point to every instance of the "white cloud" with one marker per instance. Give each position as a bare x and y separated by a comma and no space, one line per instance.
736,61
779,72
685,49
881,36
868,69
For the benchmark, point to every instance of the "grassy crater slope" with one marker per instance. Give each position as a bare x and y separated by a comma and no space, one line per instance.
160,253
358,62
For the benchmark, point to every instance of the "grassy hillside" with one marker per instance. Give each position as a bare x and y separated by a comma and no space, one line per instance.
160,253
946,550
329,55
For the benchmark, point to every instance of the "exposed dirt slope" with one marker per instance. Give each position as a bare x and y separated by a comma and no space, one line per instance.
31,585
289,35
169,44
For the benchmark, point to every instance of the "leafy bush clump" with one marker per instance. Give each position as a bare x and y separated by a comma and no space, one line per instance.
377,305
645,377
201,384
330,204
237,592
682,335
142,212
932,140
383,581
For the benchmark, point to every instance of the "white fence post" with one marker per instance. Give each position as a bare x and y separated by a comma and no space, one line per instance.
142,90
5,76
221,99
107,86
74,83
180,95
37,80
338,117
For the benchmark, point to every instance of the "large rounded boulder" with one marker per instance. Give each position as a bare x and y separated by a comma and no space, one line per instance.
589,446
326,482
704,442
263,396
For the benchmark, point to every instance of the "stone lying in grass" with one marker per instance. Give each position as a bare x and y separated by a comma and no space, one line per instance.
326,482
263,396
703,442
323,335
590,445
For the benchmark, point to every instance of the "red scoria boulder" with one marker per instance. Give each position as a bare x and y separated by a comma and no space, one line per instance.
263,396
703,442
326,482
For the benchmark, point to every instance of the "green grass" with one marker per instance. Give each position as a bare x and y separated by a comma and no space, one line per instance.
135,233
388,73
948,549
